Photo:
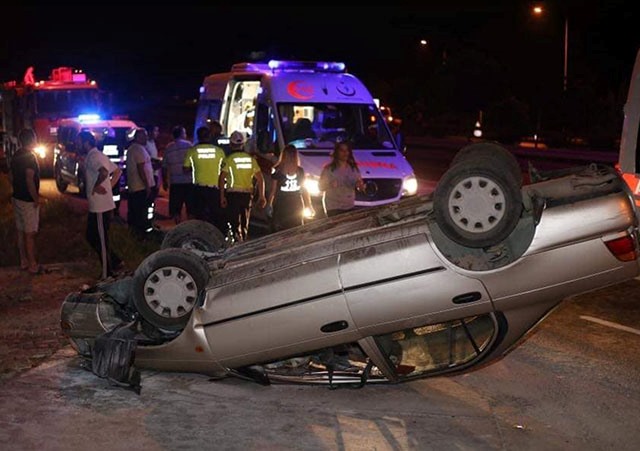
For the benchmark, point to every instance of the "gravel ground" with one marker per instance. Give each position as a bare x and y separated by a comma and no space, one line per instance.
30,314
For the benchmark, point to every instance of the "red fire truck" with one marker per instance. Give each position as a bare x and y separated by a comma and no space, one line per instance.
41,105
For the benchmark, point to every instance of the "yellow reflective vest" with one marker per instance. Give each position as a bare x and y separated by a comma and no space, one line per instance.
205,161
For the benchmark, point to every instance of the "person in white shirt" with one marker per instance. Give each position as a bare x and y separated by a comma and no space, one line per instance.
141,182
101,176
153,131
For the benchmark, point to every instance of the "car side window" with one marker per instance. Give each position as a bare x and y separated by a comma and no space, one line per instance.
421,350
62,135
71,140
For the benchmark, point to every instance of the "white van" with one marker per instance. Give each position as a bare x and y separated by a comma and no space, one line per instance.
311,105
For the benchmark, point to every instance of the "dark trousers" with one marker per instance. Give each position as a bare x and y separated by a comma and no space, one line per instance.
238,213
208,206
156,188
287,211
182,194
138,213
98,237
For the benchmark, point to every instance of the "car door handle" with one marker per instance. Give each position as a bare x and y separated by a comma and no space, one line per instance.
334,327
467,297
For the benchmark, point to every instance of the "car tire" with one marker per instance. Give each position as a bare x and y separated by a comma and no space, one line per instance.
166,287
477,203
194,234
493,152
61,185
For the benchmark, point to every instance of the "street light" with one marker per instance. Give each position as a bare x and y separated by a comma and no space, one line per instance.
538,10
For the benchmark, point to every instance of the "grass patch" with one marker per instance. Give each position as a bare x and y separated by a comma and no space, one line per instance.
61,237
61,234
131,250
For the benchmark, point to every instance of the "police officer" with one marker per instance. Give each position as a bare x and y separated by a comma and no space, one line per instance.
237,175
204,161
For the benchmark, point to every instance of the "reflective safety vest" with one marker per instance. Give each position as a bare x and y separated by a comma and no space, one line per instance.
205,161
240,168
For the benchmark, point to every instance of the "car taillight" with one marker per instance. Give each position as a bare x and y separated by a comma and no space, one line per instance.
624,248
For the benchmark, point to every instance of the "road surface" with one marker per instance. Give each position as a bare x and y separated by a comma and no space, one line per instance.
571,385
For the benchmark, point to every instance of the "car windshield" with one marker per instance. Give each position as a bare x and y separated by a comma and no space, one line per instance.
111,140
321,125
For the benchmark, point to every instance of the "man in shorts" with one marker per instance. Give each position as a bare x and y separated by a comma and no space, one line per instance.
25,180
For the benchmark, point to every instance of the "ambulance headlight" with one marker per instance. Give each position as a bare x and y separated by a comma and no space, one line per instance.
312,185
409,186
41,151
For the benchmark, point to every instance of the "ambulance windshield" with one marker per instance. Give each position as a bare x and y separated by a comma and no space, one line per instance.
321,125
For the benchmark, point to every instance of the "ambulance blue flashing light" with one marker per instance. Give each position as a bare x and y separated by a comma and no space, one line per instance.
319,66
88,118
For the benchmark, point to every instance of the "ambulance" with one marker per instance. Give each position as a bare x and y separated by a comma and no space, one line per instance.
312,105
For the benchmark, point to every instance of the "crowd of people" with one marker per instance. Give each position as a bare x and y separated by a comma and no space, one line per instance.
204,180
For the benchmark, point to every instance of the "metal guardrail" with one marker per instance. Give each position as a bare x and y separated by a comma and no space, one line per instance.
456,143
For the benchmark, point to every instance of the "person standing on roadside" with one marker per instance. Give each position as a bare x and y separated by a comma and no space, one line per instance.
141,183
288,197
339,179
102,175
203,161
153,131
25,180
175,180
236,185
215,129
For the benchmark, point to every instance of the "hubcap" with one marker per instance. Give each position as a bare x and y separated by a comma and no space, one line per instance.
170,292
477,204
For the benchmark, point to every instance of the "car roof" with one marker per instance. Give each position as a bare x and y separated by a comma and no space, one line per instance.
102,123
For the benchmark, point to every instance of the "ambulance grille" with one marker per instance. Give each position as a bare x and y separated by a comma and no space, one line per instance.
379,189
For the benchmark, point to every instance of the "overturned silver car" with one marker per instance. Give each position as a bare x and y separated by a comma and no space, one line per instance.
426,286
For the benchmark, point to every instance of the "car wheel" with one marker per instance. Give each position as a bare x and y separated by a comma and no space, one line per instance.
60,182
194,234
491,152
166,286
477,203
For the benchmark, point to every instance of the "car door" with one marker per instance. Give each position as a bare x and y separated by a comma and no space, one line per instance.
260,313
417,315
401,282
67,153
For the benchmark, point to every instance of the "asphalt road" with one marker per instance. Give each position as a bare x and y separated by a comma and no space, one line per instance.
571,385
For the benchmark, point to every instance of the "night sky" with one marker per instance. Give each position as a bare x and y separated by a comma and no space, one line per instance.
157,50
